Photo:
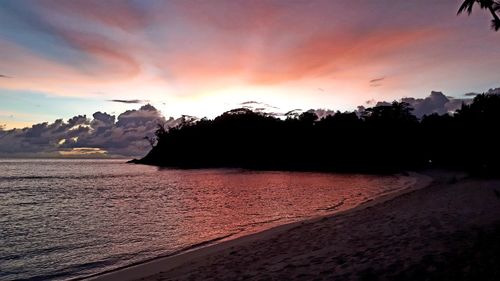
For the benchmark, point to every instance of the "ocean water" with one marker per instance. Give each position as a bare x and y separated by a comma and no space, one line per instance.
67,219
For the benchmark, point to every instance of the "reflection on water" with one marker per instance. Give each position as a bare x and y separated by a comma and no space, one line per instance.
61,219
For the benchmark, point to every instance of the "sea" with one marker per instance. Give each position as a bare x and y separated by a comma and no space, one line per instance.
68,219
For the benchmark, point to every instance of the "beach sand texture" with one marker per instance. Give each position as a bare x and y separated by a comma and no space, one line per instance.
432,233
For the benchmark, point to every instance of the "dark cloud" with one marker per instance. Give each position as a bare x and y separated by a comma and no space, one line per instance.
377,80
103,118
262,108
249,102
4,76
253,103
370,102
117,136
437,102
130,101
495,91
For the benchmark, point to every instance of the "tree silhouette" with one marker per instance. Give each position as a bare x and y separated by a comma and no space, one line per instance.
381,139
491,5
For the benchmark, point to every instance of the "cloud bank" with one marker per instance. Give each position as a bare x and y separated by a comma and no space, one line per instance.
80,136
437,102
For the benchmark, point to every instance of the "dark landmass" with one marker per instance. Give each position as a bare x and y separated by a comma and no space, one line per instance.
380,139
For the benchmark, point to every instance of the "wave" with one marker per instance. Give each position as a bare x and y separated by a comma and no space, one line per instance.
333,207
259,223
46,251
69,271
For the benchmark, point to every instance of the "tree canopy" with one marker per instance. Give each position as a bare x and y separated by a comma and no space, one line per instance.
380,139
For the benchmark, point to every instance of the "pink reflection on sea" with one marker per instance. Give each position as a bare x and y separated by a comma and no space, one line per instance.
86,216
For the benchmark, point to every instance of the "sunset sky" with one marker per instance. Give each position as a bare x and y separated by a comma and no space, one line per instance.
63,58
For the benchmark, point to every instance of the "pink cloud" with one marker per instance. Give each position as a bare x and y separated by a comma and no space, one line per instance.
208,45
111,58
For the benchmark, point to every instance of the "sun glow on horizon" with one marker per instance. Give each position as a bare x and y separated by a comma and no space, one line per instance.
83,152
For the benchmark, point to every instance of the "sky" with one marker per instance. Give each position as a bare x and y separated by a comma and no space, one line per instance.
60,59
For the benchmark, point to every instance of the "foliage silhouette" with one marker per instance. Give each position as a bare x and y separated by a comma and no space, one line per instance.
490,5
380,139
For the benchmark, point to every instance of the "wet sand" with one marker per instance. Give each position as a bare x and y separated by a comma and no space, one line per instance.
445,227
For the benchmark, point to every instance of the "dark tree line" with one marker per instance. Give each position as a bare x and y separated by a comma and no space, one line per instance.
379,139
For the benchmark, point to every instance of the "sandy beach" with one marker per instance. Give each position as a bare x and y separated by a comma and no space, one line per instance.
445,227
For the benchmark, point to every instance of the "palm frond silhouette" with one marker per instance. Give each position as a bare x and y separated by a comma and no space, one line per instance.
491,5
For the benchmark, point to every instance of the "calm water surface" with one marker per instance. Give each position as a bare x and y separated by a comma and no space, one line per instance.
64,219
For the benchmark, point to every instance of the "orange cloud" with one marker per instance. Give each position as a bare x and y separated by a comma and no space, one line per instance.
83,152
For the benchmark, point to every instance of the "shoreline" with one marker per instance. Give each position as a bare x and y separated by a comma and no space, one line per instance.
157,265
